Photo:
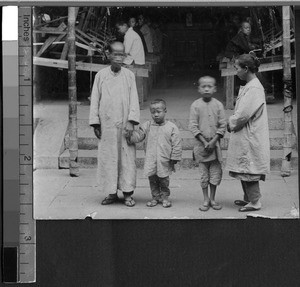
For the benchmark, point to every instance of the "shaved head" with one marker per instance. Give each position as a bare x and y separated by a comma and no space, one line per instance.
117,47
207,78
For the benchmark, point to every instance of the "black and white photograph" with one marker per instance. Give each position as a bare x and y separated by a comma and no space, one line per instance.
164,112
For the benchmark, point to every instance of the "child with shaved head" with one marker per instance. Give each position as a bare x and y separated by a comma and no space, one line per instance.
163,151
208,124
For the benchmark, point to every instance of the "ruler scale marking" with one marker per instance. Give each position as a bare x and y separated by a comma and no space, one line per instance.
27,243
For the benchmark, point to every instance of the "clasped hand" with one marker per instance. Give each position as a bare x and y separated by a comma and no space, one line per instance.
172,164
209,146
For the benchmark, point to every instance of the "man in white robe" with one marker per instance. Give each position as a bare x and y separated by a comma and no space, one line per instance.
113,113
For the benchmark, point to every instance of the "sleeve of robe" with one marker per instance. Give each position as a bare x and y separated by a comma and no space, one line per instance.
176,144
94,118
249,105
134,107
194,121
222,123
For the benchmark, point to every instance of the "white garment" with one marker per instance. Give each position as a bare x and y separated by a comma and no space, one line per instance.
249,144
114,101
162,144
133,48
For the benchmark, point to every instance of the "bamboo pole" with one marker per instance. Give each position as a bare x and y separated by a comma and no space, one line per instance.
287,92
73,143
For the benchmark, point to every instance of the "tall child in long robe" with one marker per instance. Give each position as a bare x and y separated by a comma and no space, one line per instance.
163,151
113,113
208,125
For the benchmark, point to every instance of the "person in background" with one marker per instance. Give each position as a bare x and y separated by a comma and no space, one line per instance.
248,155
114,111
208,124
144,28
242,42
153,35
133,24
159,37
133,45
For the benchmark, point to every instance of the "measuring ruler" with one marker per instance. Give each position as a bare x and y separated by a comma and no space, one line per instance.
27,238
19,240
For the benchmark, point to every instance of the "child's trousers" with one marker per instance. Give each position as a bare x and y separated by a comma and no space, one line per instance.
159,187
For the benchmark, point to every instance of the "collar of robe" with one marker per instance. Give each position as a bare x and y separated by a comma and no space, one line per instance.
156,124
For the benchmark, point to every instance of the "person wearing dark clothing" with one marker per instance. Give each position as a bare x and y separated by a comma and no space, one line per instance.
133,23
242,42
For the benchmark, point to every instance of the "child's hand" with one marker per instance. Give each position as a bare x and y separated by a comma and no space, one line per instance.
128,129
210,146
228,128
97,131
202,139
172,164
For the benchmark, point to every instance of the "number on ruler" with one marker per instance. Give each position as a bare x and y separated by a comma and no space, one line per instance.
27,157
27,237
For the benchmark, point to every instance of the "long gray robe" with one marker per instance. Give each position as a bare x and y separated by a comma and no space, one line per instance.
114,101
249,144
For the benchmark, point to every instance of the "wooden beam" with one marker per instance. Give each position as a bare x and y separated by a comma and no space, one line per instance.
49,32
262,68
81,66
96,39
100,34
52,39
86,47
54,43
90,39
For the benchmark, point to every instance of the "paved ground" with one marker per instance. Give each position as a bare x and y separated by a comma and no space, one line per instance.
59,196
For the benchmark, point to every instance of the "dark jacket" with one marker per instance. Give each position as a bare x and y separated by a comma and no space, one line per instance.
240,44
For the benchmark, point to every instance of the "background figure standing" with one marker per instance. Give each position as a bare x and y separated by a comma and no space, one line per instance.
153,35
248,156
144,28
159,37
113,113
133,24
133,45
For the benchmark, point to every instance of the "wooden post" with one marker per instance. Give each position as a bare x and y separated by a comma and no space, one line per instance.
73,144
140,90
229,91
287,92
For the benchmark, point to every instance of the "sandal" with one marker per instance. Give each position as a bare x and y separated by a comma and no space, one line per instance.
216,206
152,203
240,202
129,202
246,209
110,199
166,203
204,207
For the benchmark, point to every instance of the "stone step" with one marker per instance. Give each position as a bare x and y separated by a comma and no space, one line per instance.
88,159
88,141
274,123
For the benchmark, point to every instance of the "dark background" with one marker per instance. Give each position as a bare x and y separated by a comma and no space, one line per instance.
251,252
